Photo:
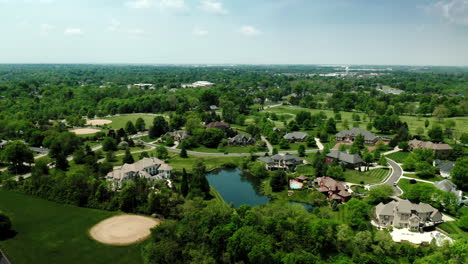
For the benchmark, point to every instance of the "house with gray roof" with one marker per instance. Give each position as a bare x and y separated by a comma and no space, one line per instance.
282,162
350,134
448,186
404,214
148,168
178,135
344,158
241,140
296,136
445,167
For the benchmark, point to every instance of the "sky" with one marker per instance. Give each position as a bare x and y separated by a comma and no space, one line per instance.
378,32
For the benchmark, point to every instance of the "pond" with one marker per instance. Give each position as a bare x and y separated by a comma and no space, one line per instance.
239,187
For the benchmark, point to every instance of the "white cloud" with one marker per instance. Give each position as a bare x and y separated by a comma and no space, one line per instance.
249,31
172,4
136,31
73,31
45,29
213,7
137,4
454,11
200,32
114,25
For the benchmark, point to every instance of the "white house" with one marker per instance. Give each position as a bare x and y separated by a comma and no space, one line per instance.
148,168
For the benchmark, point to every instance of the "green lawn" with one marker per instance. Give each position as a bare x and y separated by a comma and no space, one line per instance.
368,177
405,183
398,157
121,120
228,149
307,170
131,149
413,175
303,196
49,232
179,163
453,229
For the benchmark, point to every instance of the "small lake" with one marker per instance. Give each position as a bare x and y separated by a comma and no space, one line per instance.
239,187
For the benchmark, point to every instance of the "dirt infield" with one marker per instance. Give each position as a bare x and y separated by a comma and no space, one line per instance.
123,229
84,131
98,122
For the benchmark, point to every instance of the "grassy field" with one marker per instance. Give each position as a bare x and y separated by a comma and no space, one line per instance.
453,229
57,233
121,120
413,121
413,175
404,184
368,177
398,157
179,163
303,196
228,149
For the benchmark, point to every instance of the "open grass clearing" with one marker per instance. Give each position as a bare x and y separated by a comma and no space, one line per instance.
398,157
121,120
49,232
367,177
414,176
228,149
453,229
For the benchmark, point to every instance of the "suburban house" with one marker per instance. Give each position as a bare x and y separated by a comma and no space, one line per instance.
405,214
343,157
282,162
178,135
241,140
349,135
448,186
219,125
438,148
445,167
334,190
148,168
296,136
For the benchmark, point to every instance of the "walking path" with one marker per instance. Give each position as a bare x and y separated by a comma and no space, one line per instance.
319,144
396,149
419,180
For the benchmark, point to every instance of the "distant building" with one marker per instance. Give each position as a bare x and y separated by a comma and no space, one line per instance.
438,148
213,108
342,157
178,135
445,167
349,135
148,168
282,162
148,86
405,214
334,190
296,136
3,143
241,140
198,84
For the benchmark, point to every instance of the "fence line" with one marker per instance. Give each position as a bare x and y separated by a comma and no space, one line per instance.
3,258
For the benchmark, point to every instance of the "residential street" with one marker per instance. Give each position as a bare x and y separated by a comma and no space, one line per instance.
397,172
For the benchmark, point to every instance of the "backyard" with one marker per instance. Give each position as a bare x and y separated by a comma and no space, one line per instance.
368,177
49,232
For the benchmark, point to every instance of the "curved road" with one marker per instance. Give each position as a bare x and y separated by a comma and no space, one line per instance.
397,172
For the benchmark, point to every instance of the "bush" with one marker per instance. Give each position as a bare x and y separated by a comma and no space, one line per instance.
5,224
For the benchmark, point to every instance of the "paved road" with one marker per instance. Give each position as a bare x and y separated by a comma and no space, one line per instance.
397,172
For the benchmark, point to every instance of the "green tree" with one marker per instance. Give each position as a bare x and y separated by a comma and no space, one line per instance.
183,153
184,187
278,181
460,173
302,151
331,126
441,112
140,124
380,194
130,128
382,161
426,123
403,145
109,144
284,144
359,141
160,127
17,154
161,152
128,158
436,134
336,172
5,225
368,158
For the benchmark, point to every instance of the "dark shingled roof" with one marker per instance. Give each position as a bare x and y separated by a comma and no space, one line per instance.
368,136
345,157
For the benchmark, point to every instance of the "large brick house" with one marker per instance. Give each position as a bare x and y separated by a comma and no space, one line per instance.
438,148
350,134
334,190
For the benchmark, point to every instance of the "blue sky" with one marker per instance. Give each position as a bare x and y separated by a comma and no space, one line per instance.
404,32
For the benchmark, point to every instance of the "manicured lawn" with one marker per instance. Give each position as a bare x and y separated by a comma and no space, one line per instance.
303,196
453,229
292,146
306,170
131,150
228,149
179,163
368,177
398,157
49,232
121,120
413,175
404,184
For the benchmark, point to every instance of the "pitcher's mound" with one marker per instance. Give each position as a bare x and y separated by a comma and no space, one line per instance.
123,229
98,122
85,131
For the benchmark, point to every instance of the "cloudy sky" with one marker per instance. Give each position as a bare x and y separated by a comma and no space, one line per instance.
414,32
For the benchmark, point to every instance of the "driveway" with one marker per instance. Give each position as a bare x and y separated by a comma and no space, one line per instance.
397,172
